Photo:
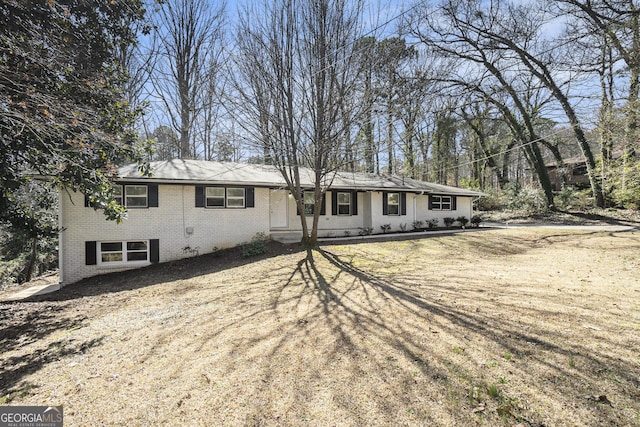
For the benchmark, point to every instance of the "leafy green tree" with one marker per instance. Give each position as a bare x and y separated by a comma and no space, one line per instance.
61,91
30,248
63,112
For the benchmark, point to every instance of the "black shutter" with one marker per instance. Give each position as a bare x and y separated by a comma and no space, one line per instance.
385,203
323,205
403,203
454,203
249,197
334,202
152,194
90,257
199,196
154,251
354,203
430,202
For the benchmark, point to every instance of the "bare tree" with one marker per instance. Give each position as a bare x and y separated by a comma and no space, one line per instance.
296,68
506,40
617,23
190,34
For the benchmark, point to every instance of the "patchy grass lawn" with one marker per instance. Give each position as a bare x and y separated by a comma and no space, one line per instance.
525,327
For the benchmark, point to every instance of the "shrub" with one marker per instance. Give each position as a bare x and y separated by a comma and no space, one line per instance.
433,223
566,196
626,190
476,220
257,246
528,199
417,225
347,233
365,231
448,221
403,227
10,271
493,200
15,255
188,250
462,220
385,228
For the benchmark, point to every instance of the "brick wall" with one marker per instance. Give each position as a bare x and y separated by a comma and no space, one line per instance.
169,222
183,230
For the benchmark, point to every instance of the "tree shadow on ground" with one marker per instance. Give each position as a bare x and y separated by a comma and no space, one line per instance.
21,326
160,273
377,326
391,306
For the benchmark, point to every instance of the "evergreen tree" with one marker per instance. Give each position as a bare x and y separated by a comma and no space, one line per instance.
63,114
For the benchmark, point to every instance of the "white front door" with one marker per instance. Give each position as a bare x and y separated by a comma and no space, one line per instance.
279,208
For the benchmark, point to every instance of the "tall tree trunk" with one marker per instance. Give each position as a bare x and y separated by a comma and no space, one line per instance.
33,256
390,164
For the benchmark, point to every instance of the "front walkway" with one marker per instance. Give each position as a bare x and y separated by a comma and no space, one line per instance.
39,286
30,292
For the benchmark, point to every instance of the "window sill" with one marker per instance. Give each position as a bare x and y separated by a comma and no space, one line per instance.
115,265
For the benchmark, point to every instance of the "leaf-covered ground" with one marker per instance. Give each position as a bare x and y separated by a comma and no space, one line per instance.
526,327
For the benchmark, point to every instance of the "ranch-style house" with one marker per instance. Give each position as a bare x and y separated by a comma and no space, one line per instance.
192,206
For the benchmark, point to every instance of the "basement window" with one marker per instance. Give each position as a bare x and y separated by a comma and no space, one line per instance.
123,252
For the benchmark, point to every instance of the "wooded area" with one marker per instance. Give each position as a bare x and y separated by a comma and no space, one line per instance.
460,92
498,95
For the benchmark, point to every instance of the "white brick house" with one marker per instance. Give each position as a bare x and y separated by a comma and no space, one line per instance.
191,206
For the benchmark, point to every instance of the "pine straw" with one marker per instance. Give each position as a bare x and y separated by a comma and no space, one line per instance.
521,327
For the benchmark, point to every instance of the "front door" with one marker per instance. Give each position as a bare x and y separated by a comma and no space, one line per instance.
278,208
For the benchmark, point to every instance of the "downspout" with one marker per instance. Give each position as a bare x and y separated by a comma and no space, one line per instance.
60,240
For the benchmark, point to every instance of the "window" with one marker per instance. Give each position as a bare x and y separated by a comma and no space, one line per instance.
579,170
344,203
441,203
214,197
123,252
135,196
309,202
220,197
393,203
117,194
235,197
224,197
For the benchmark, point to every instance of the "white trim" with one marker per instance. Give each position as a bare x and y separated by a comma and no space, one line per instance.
389,204
122,197
124,251
243,198
441,202
349,204
207,197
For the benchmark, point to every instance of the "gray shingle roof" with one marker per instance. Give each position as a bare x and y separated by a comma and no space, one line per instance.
208,172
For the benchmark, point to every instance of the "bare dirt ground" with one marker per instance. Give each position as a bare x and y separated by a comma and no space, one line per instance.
526,327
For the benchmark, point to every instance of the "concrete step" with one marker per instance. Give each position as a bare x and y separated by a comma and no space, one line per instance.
287,237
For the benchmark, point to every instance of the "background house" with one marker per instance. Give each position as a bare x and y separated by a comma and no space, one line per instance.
192,206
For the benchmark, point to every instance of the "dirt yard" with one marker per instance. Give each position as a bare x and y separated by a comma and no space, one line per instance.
519,327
